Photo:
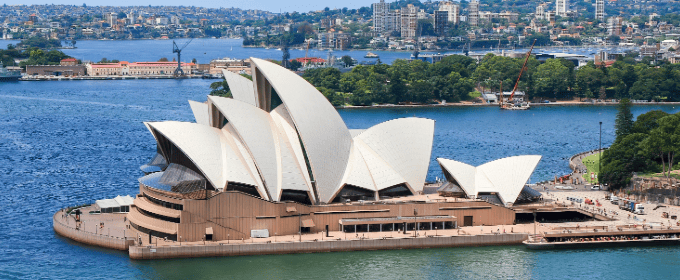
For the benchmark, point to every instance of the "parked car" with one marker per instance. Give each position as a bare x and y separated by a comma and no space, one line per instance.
596,187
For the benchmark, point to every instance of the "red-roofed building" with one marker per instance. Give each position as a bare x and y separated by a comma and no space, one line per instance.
68,62
312,60
125,68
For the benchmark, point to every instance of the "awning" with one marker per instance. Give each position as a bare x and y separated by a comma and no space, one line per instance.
208,231
307,223
291,209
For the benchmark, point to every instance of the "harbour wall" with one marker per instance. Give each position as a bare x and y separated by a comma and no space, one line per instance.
221,249
89,238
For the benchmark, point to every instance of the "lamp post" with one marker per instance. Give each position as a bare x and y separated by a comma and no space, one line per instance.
599,162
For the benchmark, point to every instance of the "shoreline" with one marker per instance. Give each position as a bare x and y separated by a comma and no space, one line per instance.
496,105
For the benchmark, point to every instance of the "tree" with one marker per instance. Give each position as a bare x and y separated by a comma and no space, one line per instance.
551,79
664,142
348,60
220,88
624,119
163,59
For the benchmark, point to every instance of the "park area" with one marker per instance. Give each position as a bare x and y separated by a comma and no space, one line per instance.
592,163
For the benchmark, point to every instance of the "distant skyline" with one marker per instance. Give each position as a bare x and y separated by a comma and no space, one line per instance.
266,5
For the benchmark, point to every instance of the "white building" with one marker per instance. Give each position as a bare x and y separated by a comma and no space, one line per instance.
380,11
162,21
280,139
452,9
502,181
473,13
561,7
599,10
409,21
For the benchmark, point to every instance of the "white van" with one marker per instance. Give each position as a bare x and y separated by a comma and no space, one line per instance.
615,200
639,209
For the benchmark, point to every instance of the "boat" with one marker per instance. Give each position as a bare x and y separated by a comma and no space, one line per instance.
8,75
597,239
371,55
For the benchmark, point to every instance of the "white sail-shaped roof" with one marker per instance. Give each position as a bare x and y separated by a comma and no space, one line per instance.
200,111
506,176
257,131
301,145
405,145
509,175
323,133
463,173
241,88
205,153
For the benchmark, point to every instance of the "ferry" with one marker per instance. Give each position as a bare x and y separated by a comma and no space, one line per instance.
595,239
8,75
371,55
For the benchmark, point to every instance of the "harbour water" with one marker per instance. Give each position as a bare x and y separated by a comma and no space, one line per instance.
206,49
67,143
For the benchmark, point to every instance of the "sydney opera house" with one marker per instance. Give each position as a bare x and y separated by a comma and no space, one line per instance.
277,158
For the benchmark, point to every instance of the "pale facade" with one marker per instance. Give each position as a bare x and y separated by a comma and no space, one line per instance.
452,9
409,21
599,10
561,7
125,68
473,13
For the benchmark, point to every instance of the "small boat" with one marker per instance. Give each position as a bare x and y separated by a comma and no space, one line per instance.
371,55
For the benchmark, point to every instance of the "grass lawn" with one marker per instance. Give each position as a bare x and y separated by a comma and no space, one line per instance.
592,164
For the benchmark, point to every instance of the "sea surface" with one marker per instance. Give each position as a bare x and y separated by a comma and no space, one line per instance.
68,143
206,49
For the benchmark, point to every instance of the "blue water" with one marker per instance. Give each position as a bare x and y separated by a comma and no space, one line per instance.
206,49
67,143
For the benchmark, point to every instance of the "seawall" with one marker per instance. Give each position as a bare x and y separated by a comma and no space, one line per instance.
88,237
221,249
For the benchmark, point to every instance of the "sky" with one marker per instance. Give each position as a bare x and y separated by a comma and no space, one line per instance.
267,5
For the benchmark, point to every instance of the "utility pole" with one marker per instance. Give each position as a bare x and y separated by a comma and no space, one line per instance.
599,162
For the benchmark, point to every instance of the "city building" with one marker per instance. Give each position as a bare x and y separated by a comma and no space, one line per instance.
453,11
125,68
561,7
441,21
541,11
473,13
599,10
277,159
380,13
409,21
614,26
501,181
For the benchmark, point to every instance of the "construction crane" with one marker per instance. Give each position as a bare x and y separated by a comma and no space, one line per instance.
524,66
175,49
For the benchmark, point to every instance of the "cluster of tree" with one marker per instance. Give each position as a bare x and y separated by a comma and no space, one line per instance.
646,145
39,42
32,56
456,76
400,83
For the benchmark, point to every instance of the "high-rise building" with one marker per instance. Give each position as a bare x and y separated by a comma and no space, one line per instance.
409,21
599,10
393,21
452,10
380,14
614,26
441,21
112,18
561,7
473,13
540,11
131,17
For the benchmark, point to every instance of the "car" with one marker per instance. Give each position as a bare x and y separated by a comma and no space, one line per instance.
559,187
567,188
596,187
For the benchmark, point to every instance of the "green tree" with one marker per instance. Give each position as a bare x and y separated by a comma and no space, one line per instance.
220,88
664,142
551,79
624,119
